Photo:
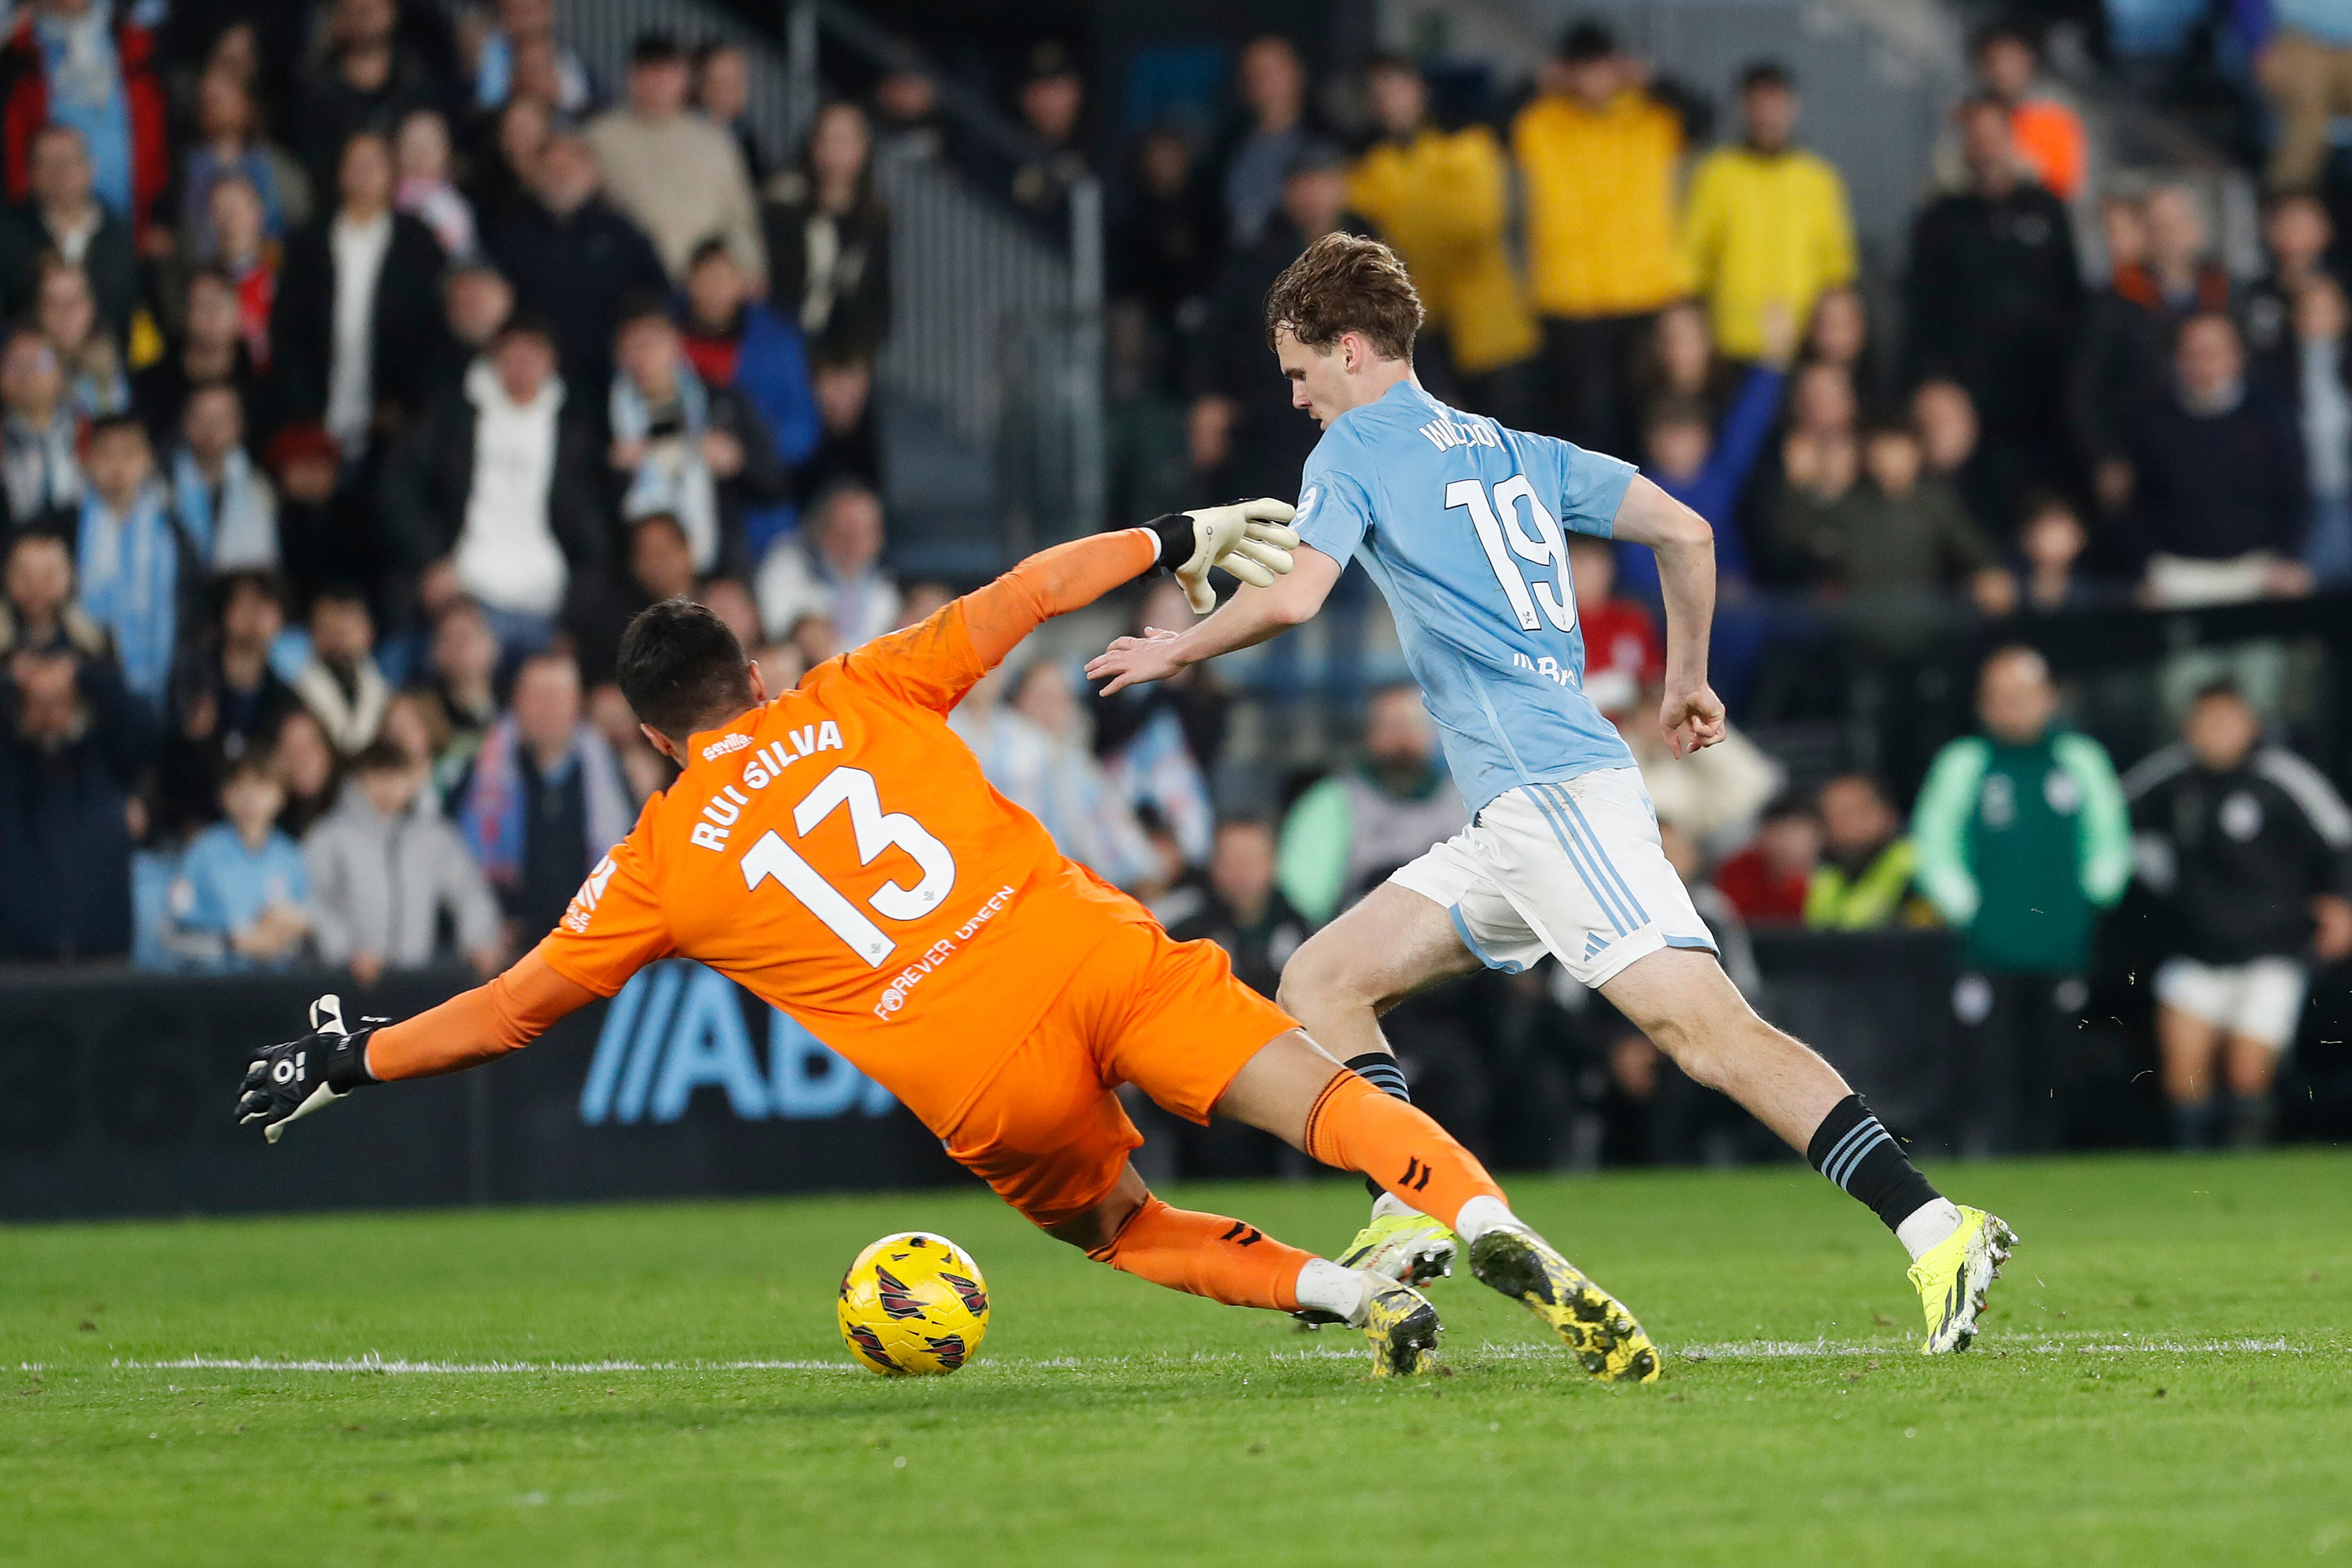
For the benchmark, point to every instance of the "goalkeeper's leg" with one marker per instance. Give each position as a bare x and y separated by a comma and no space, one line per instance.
1233,1261
1295,1090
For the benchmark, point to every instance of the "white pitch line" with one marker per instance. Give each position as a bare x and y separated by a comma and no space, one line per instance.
1732,1350
373,1364
1783,1350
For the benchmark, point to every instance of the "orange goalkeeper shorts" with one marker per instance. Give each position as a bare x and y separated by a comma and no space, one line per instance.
1047,1133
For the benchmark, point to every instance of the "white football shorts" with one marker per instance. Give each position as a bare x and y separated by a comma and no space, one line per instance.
2261,999
1572,869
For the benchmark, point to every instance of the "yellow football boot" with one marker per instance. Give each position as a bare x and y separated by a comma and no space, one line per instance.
1955,1274
1596,1327
1410,1248
1401,1326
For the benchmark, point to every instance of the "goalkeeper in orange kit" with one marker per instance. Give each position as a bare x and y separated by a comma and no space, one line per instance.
836,851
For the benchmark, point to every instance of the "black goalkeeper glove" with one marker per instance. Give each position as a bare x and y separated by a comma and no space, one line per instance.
286,1082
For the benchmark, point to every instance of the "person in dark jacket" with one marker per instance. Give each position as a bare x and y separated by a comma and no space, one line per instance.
37,612
2163,275
211,349
2298,237
733,341
327,531
1892,539
64,216
2219,495
2249,847
828,239
72,745
573,255
699,452
499,490
371,81
1052,103
1246,914
476,301
231,707
1240,908
1246,437
362,380
1994,293
849,447
1165,249
660,565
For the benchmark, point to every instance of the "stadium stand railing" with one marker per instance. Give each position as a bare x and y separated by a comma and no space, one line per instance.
989,387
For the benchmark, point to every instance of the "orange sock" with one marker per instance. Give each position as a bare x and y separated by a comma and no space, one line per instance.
1206,1255
1354,1126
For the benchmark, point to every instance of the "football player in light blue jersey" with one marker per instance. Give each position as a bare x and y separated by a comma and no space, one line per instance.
1463,525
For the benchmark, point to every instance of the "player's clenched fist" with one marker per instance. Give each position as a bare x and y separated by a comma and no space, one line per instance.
1249,539
1692,720
286,1082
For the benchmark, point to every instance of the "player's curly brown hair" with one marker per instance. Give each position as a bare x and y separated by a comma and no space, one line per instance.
1345,283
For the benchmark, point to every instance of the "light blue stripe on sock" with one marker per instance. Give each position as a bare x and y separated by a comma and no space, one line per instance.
1846,1165
1837,1152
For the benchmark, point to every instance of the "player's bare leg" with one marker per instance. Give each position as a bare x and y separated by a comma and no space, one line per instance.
2188,1050
1233,1261
1300,1093
1389,946
2195,1054
2250,1069
1689,1009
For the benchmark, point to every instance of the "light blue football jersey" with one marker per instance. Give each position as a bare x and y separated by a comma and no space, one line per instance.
1460,522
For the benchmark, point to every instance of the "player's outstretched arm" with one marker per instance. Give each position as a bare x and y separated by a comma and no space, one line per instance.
1692,714
286,1082
1249,539
1248,618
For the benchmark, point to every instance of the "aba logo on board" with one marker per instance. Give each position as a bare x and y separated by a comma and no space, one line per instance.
678,1027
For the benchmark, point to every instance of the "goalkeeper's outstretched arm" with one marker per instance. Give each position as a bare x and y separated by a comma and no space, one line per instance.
288,1082
934,663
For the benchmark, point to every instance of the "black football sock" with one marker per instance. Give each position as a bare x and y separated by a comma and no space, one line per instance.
2250,1118
2192,1124
1381,1071
1850,1148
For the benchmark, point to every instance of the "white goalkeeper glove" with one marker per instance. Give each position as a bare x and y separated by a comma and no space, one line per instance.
1247,539
286,1082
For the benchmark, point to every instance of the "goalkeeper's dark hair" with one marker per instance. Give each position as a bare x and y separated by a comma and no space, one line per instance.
682,670
1345,283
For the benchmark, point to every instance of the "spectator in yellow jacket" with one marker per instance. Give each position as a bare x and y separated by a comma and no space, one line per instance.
1599,158
1767,224
1442,199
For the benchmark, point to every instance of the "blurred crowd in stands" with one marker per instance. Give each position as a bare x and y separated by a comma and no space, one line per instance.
364,373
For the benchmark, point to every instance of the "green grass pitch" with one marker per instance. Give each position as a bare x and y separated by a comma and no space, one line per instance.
2167,1378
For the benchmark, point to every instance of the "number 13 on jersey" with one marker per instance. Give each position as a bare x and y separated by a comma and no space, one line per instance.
1503,536
874,830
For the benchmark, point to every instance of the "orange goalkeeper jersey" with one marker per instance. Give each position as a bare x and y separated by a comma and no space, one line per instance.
839,854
